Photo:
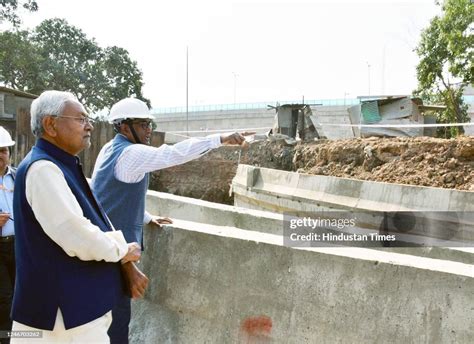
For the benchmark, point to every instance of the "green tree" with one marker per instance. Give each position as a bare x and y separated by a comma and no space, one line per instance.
446,66
9,10
56,55
20,61
122,74
71,61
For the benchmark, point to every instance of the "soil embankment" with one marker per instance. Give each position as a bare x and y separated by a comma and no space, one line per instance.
423,161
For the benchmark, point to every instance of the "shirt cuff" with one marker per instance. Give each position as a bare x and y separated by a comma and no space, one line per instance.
215,140
147,217
122,246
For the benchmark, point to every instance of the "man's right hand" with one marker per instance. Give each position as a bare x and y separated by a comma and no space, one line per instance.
134,253
135,279
236,138
4,218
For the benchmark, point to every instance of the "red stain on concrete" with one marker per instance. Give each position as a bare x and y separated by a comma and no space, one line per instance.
260,326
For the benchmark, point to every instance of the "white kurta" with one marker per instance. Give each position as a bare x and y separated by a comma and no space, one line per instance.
61,217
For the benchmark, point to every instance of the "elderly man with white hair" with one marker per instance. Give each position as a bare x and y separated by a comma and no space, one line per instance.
68,253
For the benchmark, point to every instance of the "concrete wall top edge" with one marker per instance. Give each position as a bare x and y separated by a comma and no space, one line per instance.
152,196
376,256
364,193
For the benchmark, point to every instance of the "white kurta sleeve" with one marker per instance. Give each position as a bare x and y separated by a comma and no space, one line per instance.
62,219
147,217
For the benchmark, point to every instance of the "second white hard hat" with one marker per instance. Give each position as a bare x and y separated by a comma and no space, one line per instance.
5,138
129,108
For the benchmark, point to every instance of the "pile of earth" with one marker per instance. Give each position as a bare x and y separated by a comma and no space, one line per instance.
423,161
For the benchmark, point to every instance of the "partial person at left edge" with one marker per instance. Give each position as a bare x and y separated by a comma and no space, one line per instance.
68,254
7,233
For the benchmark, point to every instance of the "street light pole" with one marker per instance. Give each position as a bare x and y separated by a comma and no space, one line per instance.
368,71
345,94
187,114
235,85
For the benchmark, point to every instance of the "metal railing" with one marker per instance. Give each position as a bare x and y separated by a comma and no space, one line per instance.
469,99
249,106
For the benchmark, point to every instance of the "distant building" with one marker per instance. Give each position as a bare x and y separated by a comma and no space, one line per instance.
469,100
397,113
12,103
294,120
15,117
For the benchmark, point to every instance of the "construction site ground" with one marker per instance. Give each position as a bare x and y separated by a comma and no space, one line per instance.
423,161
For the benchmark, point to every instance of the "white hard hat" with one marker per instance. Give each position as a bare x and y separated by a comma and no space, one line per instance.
5,138
129,108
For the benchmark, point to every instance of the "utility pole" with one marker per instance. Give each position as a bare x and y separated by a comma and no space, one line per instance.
368,71
235,85
187,113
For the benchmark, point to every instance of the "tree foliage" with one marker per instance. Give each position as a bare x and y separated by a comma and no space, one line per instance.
56,55
9,10
446,66
20,61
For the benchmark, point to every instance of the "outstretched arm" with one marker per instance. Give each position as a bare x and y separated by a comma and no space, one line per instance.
137,159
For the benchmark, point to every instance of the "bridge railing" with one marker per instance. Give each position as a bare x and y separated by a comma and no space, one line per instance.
248,106
469,99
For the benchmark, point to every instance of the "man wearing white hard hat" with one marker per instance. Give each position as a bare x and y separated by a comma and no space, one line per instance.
7,233
120,178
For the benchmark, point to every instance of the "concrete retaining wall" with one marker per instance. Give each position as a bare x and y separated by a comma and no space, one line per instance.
280,191
190,209
298,194
216,284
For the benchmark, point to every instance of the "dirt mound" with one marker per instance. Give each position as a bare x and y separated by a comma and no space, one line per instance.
209,177
421,161
415,161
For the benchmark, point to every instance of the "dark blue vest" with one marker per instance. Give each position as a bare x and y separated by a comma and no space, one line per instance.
124,203
47,278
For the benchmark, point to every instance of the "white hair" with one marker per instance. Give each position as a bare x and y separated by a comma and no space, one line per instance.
49,103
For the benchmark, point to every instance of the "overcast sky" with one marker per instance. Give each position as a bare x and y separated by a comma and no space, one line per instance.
251,51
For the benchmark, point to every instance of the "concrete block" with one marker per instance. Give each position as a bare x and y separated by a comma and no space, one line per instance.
342,193
191,209
208,283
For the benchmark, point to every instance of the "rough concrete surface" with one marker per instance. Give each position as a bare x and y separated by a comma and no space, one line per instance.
190,209
211,284
231,282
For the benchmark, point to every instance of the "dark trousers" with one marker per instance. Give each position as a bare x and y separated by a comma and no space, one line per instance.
7,283
118,330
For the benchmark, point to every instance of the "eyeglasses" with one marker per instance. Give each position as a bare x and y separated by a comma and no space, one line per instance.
82,120
144,124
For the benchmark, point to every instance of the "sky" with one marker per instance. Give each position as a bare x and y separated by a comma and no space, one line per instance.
254,51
